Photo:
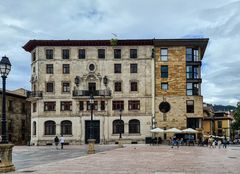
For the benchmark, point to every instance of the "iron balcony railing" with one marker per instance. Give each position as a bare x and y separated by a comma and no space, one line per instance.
94,93
35,94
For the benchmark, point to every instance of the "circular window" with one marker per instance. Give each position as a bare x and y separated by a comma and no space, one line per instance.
164,107
91,67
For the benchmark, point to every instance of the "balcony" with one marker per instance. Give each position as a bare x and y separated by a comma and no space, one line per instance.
35,94
83,93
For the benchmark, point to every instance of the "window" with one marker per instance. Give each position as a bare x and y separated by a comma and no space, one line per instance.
117,68
134,86
133,68
101,53
164,86
49,53
49,128
34,128
49,87
193,72
118,126
34,69
117,53
190,106
34,107
66,127
66,69
193,123
133,105
192,54
66,105
164,54
49,68
134,126
33,56
81,105
164,71
102,105
65,53
10,105
66,87
133,53
49,106
117,105
219,123
118,86
193,89
95,105
81,54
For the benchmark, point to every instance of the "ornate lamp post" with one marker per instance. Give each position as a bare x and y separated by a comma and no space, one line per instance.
91,140
120,128
5,148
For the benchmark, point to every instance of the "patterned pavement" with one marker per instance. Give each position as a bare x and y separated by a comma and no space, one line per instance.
142,159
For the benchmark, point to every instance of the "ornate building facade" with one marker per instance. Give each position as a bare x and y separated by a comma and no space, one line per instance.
135,76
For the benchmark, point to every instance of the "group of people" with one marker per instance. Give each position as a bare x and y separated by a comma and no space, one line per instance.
57,141
213,143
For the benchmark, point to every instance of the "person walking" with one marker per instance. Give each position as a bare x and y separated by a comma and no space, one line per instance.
56,141
62,141
225,142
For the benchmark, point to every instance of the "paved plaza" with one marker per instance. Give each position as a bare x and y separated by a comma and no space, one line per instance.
130,159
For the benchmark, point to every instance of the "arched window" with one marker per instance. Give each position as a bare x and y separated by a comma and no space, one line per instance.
34,131
118,126
50,128
66,127
134,126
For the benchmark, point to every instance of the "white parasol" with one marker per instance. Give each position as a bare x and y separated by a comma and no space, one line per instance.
173,130
189,130
157,130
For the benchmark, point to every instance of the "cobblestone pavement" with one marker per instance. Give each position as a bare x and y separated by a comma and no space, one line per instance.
144,159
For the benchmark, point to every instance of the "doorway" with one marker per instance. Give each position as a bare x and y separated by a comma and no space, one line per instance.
96,130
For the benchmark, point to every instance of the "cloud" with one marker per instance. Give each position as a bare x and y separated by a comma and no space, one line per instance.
96,19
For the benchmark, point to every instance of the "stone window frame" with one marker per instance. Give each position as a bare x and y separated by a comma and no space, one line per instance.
133,54
118,126
101,53
66,106
81,105
95,107
190,106
162,86
117,53
134,105
66,53
34,107
66,127
192,54
66,68
133,70
49,127
65,88
49,69
33,56
134,126
118,82
117,105
164,71
163,56
50,106
131,83
49,53
83,54
117,68
48,87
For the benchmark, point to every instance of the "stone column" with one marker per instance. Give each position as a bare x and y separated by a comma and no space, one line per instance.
6,164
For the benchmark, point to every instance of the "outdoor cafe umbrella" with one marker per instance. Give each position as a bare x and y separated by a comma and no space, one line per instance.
157,130
173,130
189,130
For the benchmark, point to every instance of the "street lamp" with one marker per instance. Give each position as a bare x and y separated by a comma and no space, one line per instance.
91,101
5,68
5,148
91,140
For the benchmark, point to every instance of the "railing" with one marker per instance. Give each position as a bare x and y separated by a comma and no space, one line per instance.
34,94
94,93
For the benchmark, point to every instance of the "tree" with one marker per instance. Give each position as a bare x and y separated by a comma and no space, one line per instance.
236,124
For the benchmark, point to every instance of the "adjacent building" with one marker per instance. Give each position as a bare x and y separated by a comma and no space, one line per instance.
155,82
18,116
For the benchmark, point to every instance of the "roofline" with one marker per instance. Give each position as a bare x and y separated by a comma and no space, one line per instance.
14,94
201,42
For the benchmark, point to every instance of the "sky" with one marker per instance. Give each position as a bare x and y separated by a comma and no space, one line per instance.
218,20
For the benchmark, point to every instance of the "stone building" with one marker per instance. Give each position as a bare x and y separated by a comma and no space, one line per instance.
133,75
18,115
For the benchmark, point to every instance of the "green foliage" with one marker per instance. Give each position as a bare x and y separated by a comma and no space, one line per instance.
236,125
113,42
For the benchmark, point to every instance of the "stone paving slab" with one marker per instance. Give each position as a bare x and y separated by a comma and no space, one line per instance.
144,159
